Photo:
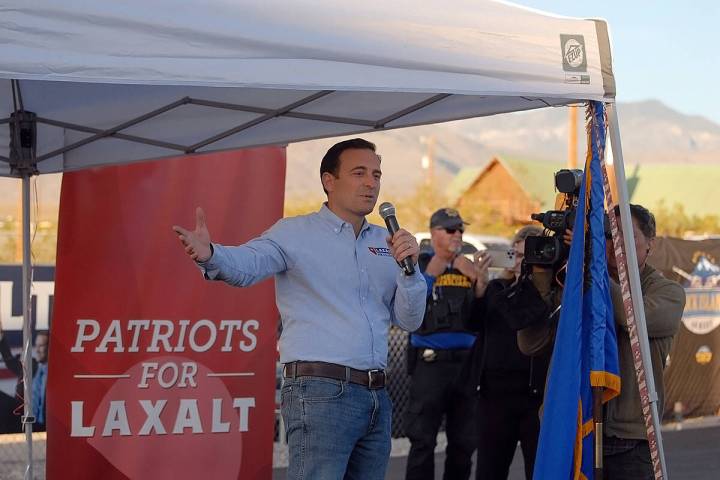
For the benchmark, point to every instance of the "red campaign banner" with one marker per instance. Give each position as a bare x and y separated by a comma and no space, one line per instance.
155,372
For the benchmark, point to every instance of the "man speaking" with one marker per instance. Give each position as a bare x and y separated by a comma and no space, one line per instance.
338,290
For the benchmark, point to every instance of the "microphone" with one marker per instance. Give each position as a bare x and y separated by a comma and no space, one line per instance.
387,212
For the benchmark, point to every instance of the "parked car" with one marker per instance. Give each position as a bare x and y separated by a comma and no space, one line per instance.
471,243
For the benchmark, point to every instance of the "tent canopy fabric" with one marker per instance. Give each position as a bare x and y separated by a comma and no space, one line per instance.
115,82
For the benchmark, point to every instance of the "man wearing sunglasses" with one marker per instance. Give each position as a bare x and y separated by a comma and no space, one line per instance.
437,351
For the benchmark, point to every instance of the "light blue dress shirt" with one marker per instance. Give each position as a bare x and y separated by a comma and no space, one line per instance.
337,294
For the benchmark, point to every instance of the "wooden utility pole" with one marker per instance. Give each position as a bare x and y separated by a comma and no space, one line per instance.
428,160
609,164
572,136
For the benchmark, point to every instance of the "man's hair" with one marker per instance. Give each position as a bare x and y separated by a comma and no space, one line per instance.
43,332
526,231
331,161
644,218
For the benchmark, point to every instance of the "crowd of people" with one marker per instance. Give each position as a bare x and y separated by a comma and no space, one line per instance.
477,362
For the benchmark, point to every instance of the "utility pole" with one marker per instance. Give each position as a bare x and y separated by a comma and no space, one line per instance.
572,136
428,160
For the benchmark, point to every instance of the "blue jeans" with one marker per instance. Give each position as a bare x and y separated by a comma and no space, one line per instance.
335,429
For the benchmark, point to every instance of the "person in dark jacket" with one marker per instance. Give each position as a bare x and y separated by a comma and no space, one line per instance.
11,421
508,385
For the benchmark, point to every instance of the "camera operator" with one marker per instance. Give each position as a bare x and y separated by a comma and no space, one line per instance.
626,453
508,384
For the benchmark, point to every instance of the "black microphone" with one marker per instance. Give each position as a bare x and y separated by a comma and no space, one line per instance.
387,212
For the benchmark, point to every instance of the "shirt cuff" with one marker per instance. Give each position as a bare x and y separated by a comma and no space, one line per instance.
409,281
208,268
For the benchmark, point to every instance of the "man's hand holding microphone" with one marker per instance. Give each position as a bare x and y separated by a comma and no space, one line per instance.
402,244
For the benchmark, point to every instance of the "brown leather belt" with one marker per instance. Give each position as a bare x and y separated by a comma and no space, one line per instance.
372,379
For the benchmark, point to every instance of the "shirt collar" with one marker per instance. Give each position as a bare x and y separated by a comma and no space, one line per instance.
336,222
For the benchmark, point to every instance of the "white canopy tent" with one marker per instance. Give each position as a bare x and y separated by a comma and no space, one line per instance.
86,83
139,80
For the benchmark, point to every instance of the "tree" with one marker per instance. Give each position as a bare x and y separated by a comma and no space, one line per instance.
672,221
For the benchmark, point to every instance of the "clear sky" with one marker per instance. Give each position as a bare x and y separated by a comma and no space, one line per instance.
667,50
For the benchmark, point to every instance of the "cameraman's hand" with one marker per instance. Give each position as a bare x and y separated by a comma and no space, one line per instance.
481,263
567,237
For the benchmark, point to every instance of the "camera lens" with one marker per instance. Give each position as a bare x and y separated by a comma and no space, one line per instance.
548,251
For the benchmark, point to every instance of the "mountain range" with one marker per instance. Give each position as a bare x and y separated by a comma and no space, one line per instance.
651,133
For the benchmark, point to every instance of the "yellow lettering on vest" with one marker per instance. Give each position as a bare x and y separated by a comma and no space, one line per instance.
453,280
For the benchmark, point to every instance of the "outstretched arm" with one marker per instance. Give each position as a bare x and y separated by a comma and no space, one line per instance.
241,266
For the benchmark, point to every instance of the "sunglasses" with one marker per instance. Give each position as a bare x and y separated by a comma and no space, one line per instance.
451,231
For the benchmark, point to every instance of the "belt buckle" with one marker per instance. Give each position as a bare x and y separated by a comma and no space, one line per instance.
371,384
429,355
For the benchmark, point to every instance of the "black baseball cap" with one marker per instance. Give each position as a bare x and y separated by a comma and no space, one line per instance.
447,218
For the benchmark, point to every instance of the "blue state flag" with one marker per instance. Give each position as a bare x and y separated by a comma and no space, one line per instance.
585,352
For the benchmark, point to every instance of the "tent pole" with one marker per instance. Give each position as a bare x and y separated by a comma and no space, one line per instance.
29,417
23,160
634,277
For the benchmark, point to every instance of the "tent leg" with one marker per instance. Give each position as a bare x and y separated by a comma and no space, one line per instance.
28,417
634,277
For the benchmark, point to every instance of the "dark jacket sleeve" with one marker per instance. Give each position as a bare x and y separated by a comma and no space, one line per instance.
478,310
470,376
538,338
663,302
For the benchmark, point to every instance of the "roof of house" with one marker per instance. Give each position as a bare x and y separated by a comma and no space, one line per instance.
694,186
535,177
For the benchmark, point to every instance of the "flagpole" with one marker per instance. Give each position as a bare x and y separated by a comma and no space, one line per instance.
598,421
639,335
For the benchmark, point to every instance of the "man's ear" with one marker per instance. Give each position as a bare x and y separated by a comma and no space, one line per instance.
328,181
651,246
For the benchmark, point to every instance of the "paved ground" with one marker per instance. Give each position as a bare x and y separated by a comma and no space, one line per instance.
692,450
692,453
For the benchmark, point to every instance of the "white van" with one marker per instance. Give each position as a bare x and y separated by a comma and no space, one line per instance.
471,243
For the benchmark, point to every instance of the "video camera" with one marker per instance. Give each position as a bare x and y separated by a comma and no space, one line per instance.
550,250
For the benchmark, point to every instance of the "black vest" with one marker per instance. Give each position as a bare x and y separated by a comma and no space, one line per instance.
449,304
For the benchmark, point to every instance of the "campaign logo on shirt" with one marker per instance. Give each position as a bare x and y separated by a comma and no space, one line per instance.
380,251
